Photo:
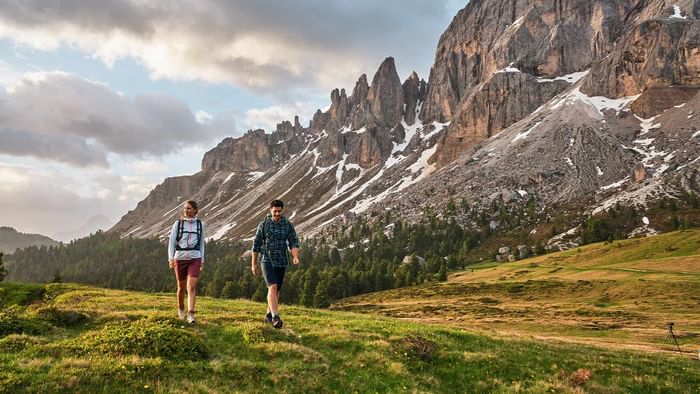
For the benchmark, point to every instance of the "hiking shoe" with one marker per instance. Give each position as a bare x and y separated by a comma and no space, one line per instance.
181,314
268,317
276,321
190,318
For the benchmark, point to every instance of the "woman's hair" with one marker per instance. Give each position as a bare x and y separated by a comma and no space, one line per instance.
194,206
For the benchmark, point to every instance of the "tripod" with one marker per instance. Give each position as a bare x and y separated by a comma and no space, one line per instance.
672,335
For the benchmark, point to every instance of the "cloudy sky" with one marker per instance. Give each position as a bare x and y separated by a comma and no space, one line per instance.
102,100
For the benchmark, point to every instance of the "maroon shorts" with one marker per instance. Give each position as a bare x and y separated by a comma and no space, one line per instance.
187,268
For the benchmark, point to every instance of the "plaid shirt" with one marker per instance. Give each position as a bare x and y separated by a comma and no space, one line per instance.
280,237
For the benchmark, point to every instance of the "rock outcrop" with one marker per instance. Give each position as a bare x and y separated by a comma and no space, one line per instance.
659,52
545,39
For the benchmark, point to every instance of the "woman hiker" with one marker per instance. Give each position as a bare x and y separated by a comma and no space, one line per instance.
186,257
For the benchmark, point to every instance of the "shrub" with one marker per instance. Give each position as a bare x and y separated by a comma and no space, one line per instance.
415,347
11,322
61,317
253,333
15,343
146,338
580,377
577,378
20,293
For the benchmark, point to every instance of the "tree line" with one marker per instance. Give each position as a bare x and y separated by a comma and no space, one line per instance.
363,256
355,259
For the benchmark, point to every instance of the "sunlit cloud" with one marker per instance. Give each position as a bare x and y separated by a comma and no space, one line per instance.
267,118
267,46
61,117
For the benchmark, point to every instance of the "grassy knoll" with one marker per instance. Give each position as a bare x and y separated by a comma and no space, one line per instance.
70,338
618,294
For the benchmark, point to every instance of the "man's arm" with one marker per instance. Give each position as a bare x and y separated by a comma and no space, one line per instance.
254,263
295,256
293,241
257,246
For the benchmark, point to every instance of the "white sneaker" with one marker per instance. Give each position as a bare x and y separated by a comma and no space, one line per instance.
190,318
181,314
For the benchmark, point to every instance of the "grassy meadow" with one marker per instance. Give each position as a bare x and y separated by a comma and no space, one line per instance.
615,295
588,320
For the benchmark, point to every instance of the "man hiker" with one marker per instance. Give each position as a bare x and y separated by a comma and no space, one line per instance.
275,235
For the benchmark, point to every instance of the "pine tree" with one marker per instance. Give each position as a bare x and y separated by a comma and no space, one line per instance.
399,280
260,294
539,249
675,223
308,289
464,205
321,295
334,256
57,277
442,275
229,290
3,272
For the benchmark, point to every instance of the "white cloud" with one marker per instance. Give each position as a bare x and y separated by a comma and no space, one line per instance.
58,116
51,200
8,74
263,45
267,118
203,117
148,166
44,201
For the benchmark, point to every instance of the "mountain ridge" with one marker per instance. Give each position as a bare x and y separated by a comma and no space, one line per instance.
511,109
11,240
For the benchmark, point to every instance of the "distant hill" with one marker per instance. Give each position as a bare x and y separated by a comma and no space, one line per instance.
97,222
11,239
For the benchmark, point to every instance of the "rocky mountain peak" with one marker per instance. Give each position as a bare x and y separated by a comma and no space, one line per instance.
386,95
338,111
413,92
545,102
359,92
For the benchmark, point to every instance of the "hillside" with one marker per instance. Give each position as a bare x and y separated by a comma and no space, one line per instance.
617,295
11,240
69,338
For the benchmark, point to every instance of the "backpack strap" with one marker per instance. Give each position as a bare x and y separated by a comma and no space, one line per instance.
199,234
181,230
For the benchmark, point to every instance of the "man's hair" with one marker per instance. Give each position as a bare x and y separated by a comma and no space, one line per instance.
277,204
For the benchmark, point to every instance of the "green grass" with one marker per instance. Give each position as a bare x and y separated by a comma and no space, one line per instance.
612,295
20,294
131,342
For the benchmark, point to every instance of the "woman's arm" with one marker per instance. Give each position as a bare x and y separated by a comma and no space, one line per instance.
171,242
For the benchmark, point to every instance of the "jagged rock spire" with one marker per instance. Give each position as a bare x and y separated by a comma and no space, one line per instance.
386,95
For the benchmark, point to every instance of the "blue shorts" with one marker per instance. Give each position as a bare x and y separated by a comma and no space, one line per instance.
273,275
